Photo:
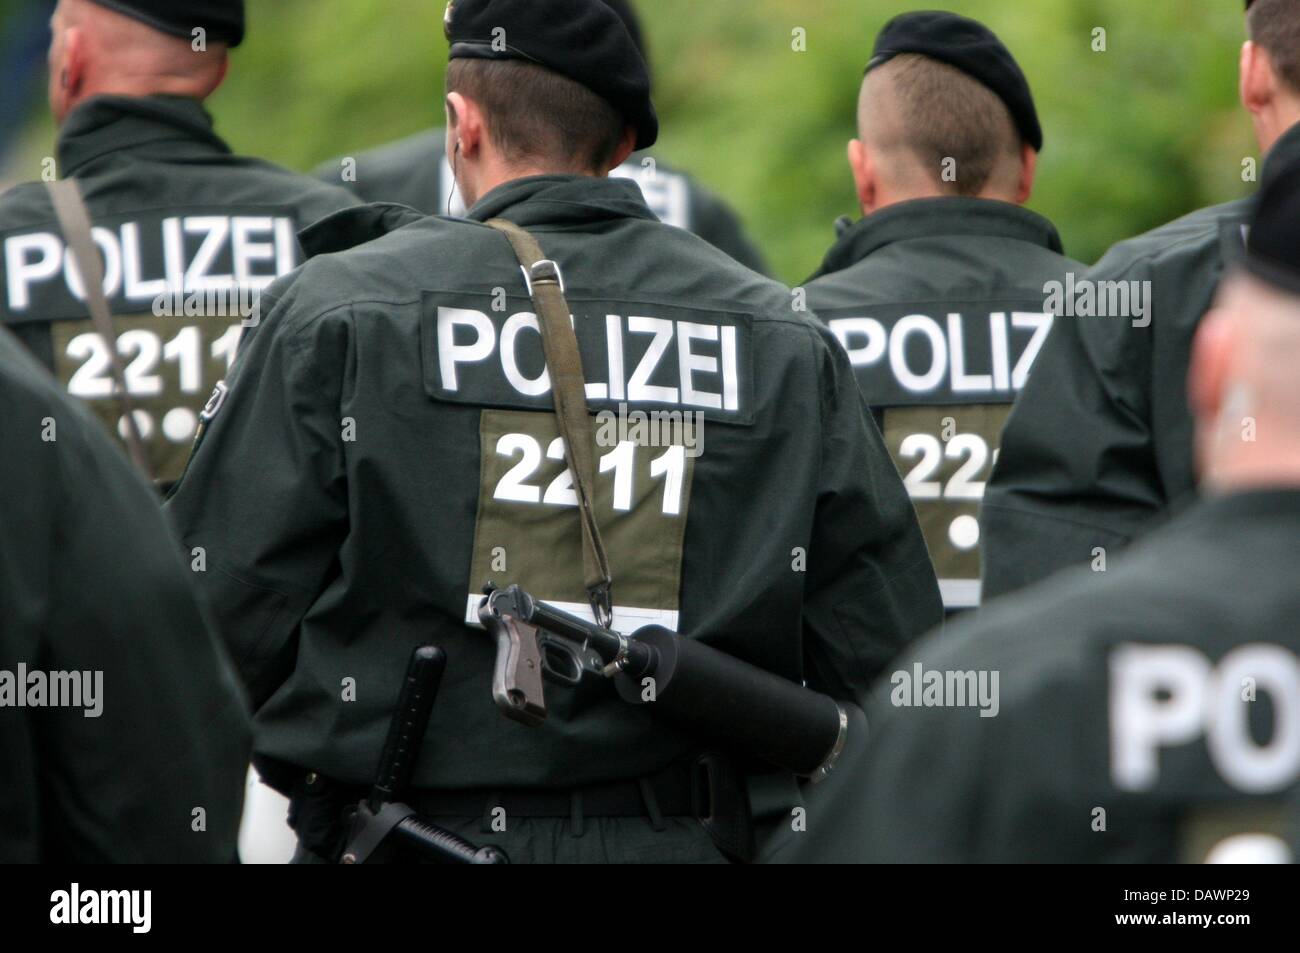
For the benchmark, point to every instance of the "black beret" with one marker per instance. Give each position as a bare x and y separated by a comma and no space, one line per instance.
583,40
1273,242
630,20
222,20
970,47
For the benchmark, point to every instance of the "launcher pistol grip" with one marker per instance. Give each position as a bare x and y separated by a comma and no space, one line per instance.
517,675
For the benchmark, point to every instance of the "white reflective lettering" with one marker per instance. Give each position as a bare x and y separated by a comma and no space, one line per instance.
450,353
28,259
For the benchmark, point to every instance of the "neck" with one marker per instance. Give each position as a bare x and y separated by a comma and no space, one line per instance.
888,196
138,89
1273,125
478,179
900,198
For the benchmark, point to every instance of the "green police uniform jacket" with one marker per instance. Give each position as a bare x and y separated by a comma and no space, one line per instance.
415,172
940,305
95,599
1147,714
1099,448
189,234
386,445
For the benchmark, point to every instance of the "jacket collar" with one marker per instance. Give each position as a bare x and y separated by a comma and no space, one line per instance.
1285,153
540,200
562,200
112,124
935,218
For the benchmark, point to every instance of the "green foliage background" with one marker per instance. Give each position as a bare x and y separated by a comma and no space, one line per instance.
1136,135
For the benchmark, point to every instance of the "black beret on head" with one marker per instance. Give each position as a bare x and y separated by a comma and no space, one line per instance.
584,40
628,15
970,47
1273,243
222,20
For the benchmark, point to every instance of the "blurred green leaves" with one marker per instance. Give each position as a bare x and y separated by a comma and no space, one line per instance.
1137,135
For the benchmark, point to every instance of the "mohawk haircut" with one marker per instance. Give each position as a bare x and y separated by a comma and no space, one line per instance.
918,107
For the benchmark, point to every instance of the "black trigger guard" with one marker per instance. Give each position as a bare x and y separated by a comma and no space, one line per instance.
563,662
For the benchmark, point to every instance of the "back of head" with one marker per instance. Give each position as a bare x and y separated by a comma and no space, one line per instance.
115,47
1270,68
1274,26
936,129
538,117
945,110
534,89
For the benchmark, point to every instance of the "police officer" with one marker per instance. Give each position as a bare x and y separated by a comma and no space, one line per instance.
123,732
1147,714
387,444
937,293
188,232
417,172
1099,449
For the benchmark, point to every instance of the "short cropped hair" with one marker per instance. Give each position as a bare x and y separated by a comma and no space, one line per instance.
919,106
535,114
1275,26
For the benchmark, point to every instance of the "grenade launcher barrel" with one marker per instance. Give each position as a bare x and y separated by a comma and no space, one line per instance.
694,687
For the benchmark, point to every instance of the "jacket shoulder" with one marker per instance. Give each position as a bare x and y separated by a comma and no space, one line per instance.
312,197
385,246
373,253
351,227
1190,235
24,382
402,155
27,390
25,205
942,268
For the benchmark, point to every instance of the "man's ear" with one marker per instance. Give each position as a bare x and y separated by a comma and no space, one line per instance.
1028,170
626,146
1257,85
1211,359
73,78
465,122
222,70
863,165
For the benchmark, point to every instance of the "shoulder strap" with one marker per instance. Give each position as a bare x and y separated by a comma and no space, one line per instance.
569,391
74,219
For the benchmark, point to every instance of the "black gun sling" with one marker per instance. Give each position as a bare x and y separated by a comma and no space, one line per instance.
569,391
